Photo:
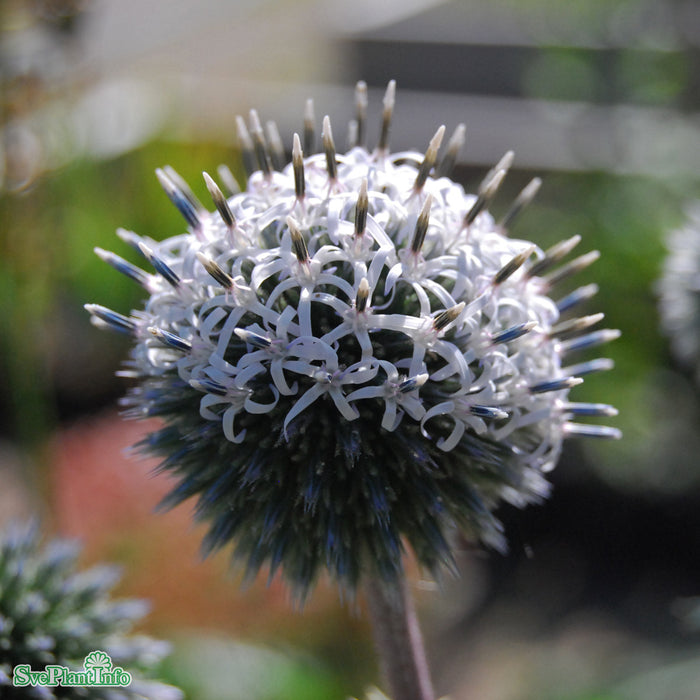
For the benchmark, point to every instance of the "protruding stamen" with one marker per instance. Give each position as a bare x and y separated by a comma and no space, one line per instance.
521,201
589,340
170,339
254,339
595,431
429,159
298,243
361,209
180,199
413,383
181,183
159,265
590,409
298,167
454,146
571,268
486,193
362,296
229,182
309,128
245,143
556,385
219,201
576,297
259,144
512,265
488,412
513,333
329,148
115,321
600,364
276,146
387,113
574,325
445,318
361,112
215,271
125,267
422,223
553,255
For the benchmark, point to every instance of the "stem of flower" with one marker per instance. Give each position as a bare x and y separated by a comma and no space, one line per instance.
398,641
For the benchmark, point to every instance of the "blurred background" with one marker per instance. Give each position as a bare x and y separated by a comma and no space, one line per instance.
596,599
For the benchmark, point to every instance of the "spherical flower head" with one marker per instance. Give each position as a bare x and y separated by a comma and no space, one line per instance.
679,292
53,614
350,356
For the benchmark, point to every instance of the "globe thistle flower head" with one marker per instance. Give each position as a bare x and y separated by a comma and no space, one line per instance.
52,613
351,356
679,292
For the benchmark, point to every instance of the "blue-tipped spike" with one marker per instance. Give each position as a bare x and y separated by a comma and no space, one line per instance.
170,339
513,333
589,340
413,383
254,339
556,385
590,409
600,364
576,297
488,412
115,321
125,267
208,386
159,266
179,199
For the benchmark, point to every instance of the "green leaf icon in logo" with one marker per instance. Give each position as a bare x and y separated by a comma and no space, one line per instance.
98,659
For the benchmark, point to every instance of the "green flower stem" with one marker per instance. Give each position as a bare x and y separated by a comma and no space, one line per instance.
398,641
